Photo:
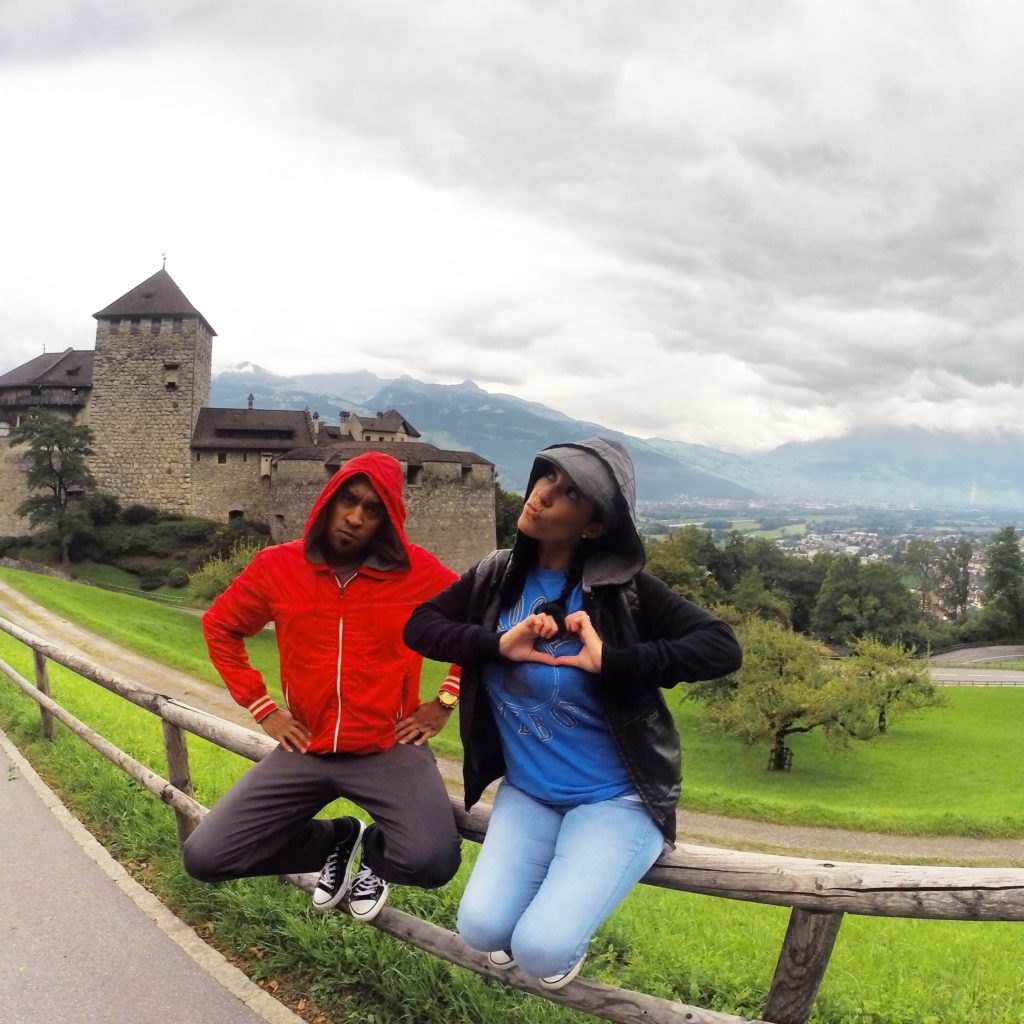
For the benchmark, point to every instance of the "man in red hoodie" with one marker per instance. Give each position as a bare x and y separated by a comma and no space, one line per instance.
353,725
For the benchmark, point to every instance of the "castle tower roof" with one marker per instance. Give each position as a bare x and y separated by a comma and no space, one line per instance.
158,295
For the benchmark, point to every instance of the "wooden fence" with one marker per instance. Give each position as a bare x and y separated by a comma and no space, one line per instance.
819,892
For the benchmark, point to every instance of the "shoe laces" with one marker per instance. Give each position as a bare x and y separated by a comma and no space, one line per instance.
366,884
330,871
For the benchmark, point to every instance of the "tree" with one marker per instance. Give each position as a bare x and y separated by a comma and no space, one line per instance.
890,681
922,559
859,599
507,506
784,688
681,562
55,467
752,597
955,578
1004,583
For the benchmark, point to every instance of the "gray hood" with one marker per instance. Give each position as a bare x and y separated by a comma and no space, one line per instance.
618,554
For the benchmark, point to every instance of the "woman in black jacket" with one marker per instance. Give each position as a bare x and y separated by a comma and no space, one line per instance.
564,645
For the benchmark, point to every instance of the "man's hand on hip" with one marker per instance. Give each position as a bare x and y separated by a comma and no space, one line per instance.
426,721
280,725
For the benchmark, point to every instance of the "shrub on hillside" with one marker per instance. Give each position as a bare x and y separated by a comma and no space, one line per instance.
102,508
190,531
135,514
9,546
214,576
177,578
152,579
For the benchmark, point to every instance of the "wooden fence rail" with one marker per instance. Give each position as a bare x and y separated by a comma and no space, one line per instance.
818,892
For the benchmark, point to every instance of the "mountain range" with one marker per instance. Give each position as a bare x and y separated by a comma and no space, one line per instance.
898,467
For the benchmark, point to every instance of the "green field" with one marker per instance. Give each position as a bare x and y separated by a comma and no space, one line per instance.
945,771
700,950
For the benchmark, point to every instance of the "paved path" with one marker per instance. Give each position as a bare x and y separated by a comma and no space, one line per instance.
977,676
979,655
705,829
81,942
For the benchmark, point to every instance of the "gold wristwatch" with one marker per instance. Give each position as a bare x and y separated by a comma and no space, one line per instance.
449,701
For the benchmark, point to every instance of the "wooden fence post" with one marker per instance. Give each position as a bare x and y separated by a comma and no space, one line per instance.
178,773
805,953
43,685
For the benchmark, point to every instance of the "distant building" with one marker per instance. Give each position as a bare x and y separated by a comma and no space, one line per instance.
145,393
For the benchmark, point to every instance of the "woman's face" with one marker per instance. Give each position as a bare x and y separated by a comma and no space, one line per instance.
556,513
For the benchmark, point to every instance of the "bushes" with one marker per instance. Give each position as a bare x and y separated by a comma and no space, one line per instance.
217,574
133,515
102,508
152,579
9,546
177,578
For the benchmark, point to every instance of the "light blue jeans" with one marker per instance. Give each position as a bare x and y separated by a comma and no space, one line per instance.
547,877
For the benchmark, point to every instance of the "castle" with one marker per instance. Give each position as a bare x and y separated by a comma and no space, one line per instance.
145,393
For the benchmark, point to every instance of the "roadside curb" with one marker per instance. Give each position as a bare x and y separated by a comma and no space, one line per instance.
205,956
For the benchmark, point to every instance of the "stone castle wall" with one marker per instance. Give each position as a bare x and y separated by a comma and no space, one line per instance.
13,488
148,387
220,489
449,510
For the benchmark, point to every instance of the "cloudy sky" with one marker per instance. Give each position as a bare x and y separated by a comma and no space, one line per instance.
732,223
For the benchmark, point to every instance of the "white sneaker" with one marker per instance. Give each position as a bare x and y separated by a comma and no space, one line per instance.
367,896
501,959
553,982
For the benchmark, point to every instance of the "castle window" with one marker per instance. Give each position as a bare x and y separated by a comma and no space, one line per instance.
222,458
245,456
135,324
413,475
198,456
115,325
154,325
176,323
467,475
236,513
171,385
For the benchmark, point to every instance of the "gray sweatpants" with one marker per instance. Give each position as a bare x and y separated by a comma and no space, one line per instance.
264,824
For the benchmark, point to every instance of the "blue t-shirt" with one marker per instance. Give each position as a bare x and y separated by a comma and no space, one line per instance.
557,745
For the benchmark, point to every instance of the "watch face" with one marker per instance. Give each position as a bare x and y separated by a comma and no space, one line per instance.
449,700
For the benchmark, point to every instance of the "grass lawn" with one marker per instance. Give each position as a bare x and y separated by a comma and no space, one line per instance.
701,950
953,770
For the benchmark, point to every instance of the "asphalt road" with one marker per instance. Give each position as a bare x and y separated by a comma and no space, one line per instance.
976,676
81,942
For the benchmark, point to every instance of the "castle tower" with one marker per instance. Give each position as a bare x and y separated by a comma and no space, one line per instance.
151,376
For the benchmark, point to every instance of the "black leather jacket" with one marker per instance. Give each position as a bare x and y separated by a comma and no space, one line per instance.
653,638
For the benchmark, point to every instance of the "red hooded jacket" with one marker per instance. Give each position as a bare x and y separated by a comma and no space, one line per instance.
345,673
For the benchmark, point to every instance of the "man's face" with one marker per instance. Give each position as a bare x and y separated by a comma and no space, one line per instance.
354,518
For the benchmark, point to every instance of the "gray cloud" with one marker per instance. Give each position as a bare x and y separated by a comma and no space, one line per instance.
820,199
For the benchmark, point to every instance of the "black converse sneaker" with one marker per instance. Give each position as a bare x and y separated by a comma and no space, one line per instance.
368,894
333,883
